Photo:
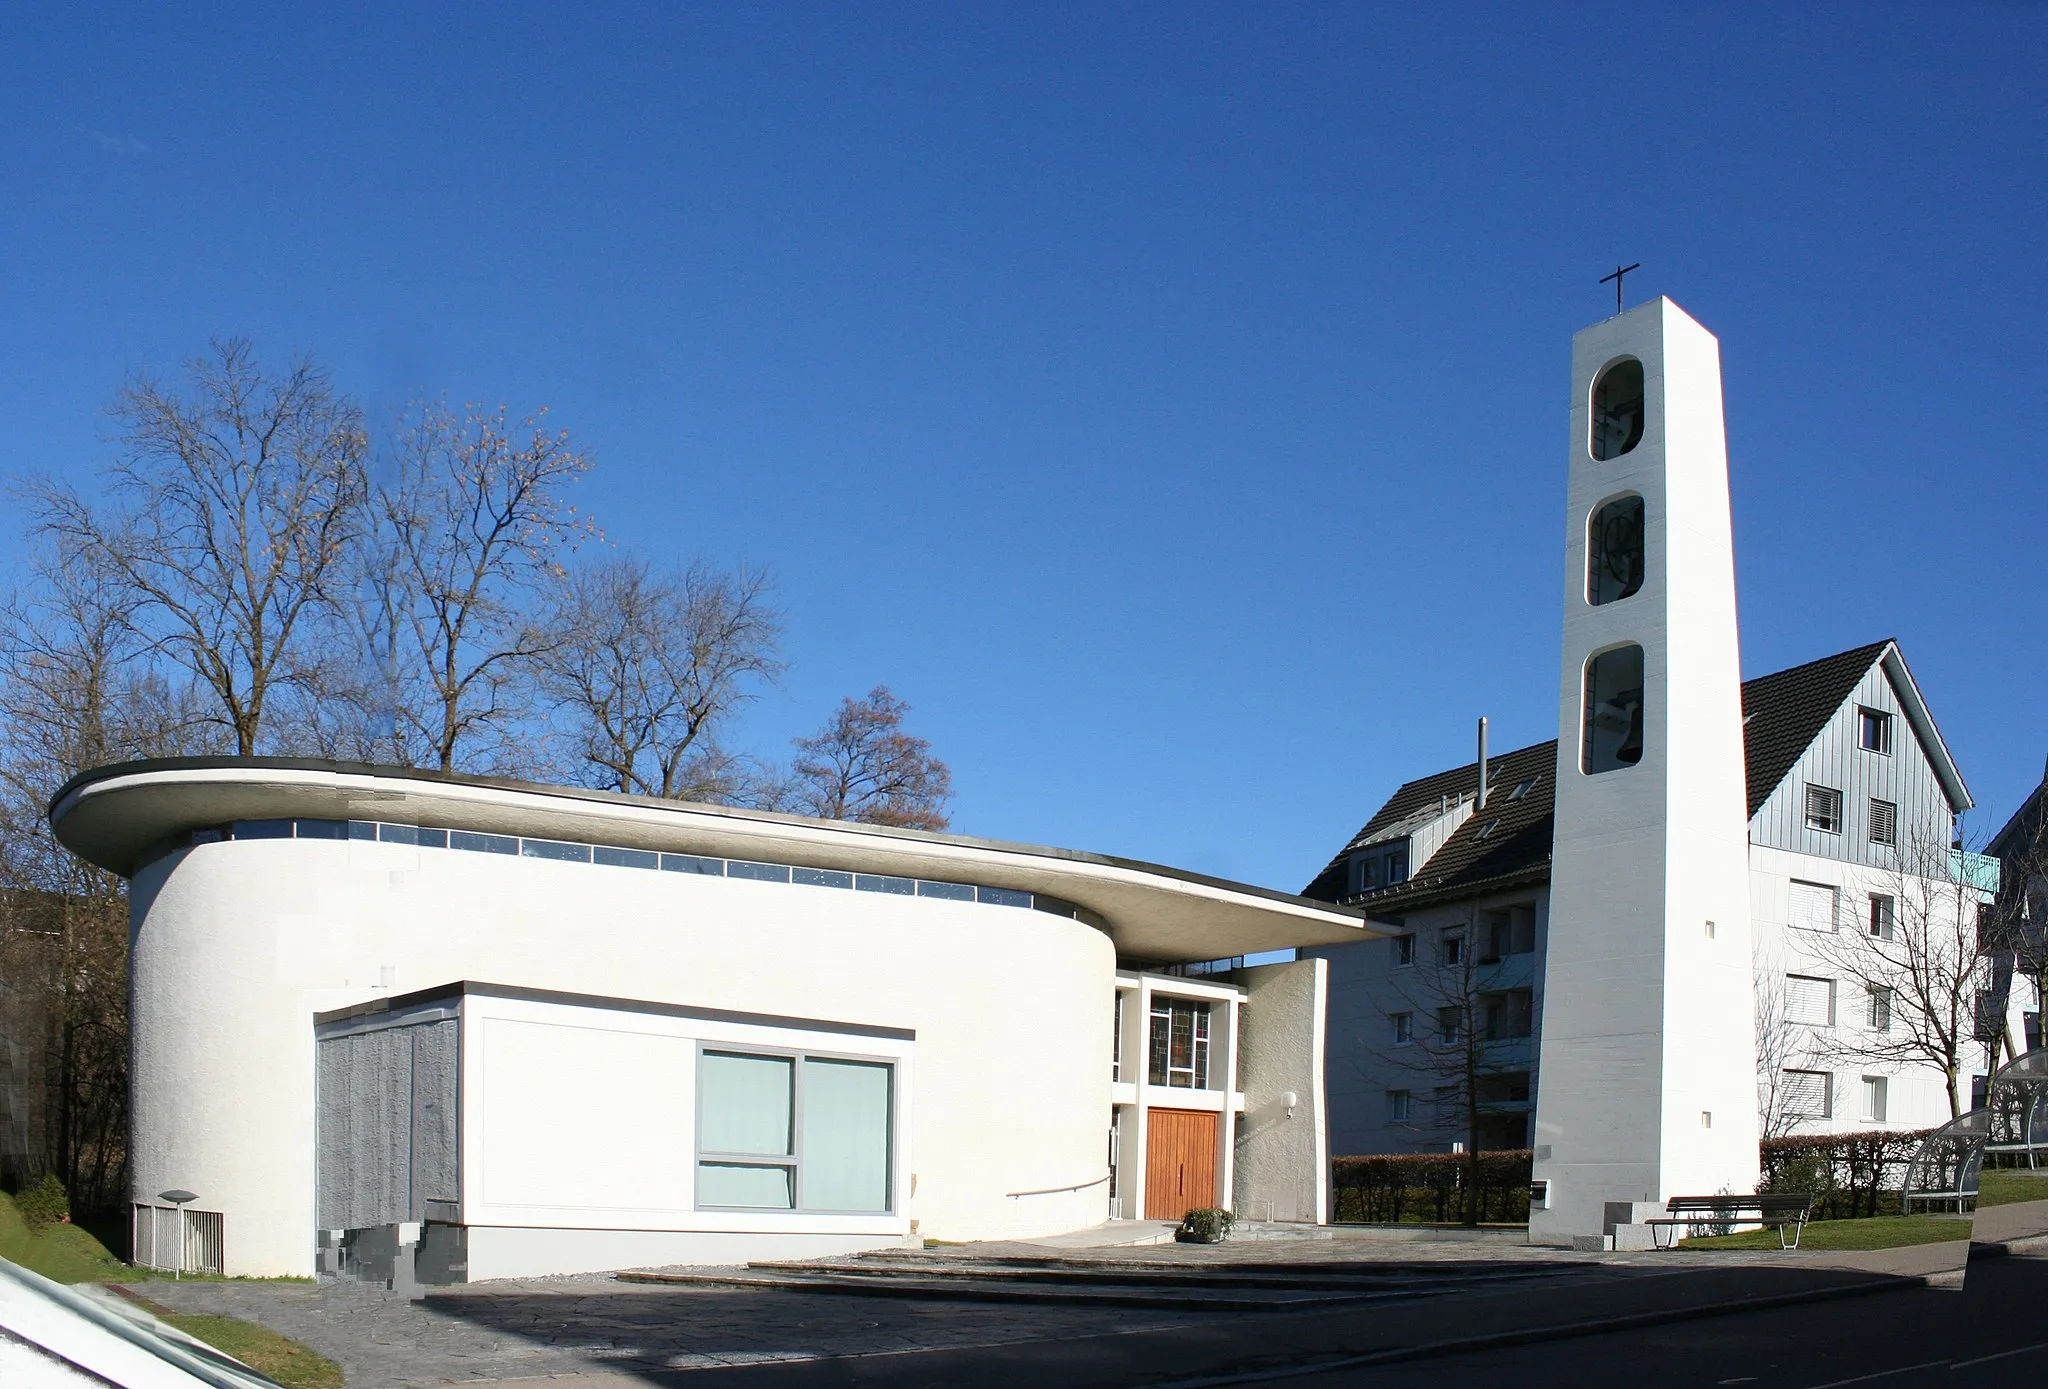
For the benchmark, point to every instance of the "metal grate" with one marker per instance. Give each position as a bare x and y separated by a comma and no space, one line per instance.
160,1242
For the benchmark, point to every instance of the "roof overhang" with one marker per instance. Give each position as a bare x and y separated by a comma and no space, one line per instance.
113,816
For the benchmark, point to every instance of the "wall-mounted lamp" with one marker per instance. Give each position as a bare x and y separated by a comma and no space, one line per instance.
1290,1099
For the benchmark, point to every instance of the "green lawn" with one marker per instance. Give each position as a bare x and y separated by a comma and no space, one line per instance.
61,1253
1879,1232
258,1347
2002,1186
68,1254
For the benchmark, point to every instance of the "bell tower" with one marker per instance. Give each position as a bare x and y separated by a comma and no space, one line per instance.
1646,1084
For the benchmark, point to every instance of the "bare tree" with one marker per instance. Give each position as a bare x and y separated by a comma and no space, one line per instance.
1781,1045
75,692
1918,966
646,669
862,766
233,506
1454,1008
2018,919
471,525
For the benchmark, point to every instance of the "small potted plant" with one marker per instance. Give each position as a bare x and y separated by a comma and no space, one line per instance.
1208,1225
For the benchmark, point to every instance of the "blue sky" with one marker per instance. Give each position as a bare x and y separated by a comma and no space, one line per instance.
1167,400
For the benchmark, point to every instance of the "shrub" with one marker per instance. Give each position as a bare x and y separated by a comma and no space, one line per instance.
1388,1188
1208,1224
43,1203
1847,1174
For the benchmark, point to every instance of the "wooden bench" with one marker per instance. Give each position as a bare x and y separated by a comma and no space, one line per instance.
1769,1210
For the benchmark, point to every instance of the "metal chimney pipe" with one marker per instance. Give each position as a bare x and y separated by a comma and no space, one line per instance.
1482,764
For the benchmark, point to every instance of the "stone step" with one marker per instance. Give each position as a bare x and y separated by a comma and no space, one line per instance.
1134,1273
1156,1295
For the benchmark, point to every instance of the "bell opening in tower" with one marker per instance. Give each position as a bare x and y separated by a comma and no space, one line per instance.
1617,409
1614,551
1613,734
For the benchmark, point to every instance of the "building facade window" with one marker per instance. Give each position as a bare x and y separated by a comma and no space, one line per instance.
1884,915
1505,932
1116,1038
793,1132
1880,1009
1450,1025
1399,1104
1808,1094
1874,1097
1180,1043
1873,730
1824,809
1810,1000
1453,948
1404,950
1617,414
1884,822
1813,906
1614,551
1509,1014
1612,734
1403,1025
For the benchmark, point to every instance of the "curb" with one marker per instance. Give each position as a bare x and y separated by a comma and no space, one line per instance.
1431,1350
2025,1247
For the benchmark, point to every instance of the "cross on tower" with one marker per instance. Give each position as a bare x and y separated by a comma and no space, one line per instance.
1619,271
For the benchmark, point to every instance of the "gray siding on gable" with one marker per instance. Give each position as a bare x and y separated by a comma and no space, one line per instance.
1904,777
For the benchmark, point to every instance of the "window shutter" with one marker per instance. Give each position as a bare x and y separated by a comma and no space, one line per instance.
1806,1094
1810,1000
1884,822
1813,906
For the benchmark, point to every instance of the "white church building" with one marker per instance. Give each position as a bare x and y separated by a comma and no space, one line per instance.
502,1029
1639,946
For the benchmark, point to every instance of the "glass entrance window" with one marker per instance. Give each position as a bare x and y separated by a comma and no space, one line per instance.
1179,1043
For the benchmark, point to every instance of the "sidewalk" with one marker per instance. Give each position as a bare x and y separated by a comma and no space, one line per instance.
2019,1228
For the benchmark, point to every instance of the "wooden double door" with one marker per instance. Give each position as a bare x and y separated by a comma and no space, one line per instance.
1180,1162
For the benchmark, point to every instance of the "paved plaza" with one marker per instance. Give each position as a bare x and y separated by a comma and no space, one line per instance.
596,1325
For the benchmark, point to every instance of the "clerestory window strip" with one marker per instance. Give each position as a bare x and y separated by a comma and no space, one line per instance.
614,856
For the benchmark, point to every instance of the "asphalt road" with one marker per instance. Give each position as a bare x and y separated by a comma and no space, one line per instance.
1993,1332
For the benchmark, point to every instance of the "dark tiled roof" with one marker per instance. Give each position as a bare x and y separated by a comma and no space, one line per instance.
1782,714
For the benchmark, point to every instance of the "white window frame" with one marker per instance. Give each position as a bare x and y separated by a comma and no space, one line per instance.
1400,1106
1887,812
1878,1016
1404,949
1882,923
1876,1099
1403,1025
1866,718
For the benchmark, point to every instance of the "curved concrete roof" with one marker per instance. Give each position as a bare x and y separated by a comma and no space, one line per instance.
114,815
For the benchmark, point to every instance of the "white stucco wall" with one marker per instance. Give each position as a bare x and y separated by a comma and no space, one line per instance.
238,944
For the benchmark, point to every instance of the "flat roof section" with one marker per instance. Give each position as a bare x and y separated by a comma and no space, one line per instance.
113,815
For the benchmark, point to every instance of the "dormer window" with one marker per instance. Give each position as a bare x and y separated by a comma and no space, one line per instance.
1397,867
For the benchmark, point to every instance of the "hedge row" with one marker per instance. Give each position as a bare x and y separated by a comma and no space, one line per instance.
1847,1174
1388,1188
